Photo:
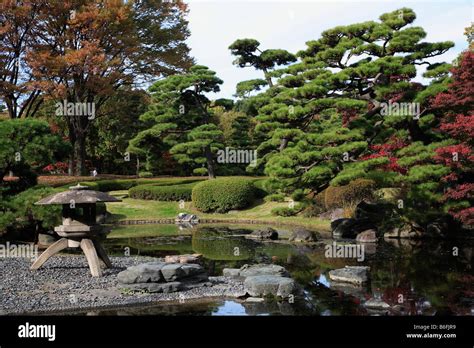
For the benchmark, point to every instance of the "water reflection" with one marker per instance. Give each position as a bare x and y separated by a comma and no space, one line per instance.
413,278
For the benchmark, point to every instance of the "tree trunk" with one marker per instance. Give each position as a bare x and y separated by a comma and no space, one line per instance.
268,78
283,144
210,163
80,154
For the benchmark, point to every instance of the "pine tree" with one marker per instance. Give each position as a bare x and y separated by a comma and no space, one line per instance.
179,119
248,54
327,110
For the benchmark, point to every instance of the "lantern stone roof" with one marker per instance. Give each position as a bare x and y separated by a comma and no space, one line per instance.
79,195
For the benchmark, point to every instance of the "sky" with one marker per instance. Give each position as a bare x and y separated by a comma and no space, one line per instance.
286,24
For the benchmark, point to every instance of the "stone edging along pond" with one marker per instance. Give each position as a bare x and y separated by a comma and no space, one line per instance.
209,221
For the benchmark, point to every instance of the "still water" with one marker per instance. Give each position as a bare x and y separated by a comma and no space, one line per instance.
414,278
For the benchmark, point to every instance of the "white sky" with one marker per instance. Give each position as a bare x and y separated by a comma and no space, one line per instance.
287,24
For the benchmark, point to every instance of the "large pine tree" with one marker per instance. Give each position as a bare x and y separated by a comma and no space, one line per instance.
327,110
179,119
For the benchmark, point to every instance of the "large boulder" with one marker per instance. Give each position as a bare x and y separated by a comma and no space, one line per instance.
263,285
265,233
143,273
350,274
176,271
302,236
349,228
161,272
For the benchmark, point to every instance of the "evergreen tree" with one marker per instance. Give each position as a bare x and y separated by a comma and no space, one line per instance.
179,119
327,111
248,54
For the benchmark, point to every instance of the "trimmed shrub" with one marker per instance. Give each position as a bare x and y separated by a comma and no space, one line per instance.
223,194
145,174
162,193
298,195
285,211
126,184
261,191
349,195
275,197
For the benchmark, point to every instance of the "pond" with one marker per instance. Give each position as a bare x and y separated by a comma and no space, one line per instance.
415,278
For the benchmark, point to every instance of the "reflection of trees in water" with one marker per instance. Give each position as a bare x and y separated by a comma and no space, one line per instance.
215,245
427,272
156,246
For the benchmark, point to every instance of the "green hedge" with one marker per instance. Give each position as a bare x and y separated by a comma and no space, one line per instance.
126,184
162,193
223,194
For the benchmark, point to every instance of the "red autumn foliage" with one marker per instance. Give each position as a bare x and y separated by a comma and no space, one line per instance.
388,150
457,120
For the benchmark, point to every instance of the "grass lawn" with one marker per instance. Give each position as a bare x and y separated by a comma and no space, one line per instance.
135,209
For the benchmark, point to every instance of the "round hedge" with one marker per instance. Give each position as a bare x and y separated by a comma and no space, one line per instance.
224,194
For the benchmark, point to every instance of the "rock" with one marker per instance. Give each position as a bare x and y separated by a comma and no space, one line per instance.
350,274
45,239
156,287
176,271
266,233
189,218
191,270
143,273
262,285
405,231
302,235
255,300
337,214
187,258
231,272
368,236
155,272
349,228
374,303
262,269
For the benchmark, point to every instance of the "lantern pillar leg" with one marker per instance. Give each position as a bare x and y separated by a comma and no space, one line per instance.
53,249
91,255
102,254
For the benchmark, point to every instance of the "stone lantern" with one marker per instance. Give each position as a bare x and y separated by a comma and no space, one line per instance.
79,227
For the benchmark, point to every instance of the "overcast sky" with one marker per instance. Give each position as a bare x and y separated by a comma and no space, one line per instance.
215,24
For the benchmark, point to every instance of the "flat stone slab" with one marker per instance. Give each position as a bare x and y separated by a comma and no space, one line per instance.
157,272
350,274
262,269
374,303
142,273
262,285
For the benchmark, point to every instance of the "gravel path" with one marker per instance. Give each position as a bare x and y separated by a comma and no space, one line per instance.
64,283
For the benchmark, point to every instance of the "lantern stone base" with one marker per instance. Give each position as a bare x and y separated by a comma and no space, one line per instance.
92,249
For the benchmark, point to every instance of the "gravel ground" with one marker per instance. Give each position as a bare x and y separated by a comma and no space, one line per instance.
64,283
